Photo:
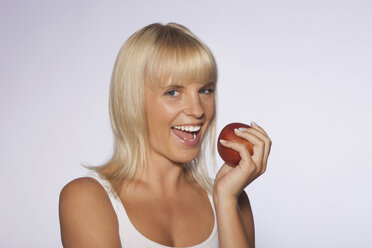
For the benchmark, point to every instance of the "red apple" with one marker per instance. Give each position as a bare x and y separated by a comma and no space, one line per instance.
230,156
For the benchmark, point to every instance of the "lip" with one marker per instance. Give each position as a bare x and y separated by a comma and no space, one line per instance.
188,142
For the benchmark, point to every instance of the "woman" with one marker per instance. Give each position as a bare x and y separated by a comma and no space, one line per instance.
155,190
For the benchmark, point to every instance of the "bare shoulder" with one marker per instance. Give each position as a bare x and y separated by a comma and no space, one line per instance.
247,215
82,190
87,217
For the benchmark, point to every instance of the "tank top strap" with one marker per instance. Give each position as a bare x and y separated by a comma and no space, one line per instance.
117,205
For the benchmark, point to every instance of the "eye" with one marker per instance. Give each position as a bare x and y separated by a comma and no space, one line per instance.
206,91
172,93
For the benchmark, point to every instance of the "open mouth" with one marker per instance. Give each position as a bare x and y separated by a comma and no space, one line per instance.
188,135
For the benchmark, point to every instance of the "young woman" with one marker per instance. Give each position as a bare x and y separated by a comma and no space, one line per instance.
155,190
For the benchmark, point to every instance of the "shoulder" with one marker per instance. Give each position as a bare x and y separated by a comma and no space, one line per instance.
82,190
87,217
84,194
86,184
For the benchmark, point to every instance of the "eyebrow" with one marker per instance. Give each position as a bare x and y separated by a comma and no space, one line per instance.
210,84
177,86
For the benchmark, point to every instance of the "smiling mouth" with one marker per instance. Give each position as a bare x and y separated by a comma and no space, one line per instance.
187,134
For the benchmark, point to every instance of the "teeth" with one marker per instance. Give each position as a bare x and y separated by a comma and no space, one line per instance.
188,128
193,138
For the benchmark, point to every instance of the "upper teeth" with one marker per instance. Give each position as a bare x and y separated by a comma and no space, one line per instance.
188,128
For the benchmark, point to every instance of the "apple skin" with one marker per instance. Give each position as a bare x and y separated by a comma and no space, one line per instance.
230,156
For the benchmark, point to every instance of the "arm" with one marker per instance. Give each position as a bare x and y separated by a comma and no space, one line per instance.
86,215
235,222
234,214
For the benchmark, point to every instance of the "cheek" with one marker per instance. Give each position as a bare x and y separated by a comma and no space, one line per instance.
209,107
169,109
160,116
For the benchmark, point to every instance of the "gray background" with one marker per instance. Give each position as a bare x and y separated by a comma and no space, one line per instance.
301,69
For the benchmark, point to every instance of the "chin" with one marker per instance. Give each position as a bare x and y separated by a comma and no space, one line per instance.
186,158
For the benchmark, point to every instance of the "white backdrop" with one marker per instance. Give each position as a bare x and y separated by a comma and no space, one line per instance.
301,69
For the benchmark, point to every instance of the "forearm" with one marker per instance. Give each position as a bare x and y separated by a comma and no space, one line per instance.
232,230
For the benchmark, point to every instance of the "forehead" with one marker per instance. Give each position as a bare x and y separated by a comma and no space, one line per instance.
180,66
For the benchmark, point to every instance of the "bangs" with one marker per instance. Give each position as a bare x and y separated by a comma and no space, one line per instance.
180,58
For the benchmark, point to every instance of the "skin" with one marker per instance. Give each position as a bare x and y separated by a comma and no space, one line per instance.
177,104
160,200
232,205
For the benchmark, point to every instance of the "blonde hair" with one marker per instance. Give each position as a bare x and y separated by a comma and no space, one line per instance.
156,54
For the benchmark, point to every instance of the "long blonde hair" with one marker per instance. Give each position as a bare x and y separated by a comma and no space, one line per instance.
156,53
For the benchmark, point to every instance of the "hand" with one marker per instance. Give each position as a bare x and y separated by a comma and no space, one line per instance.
230,182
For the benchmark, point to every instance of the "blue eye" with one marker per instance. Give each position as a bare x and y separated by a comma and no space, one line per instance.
206,91
172,93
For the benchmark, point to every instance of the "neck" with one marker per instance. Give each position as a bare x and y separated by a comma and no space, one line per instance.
161,176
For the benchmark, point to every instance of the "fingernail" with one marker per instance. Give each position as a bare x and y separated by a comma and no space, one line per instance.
238,130
222,141
253,123
243,129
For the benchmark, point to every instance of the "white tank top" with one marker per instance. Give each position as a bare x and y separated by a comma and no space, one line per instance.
131,238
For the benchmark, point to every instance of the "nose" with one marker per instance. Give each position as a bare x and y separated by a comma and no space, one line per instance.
194,106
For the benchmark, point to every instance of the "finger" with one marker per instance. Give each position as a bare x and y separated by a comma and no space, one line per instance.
260,135
223,170
263,135
256,129
241,148
254,125
267,142
257,142
261,148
